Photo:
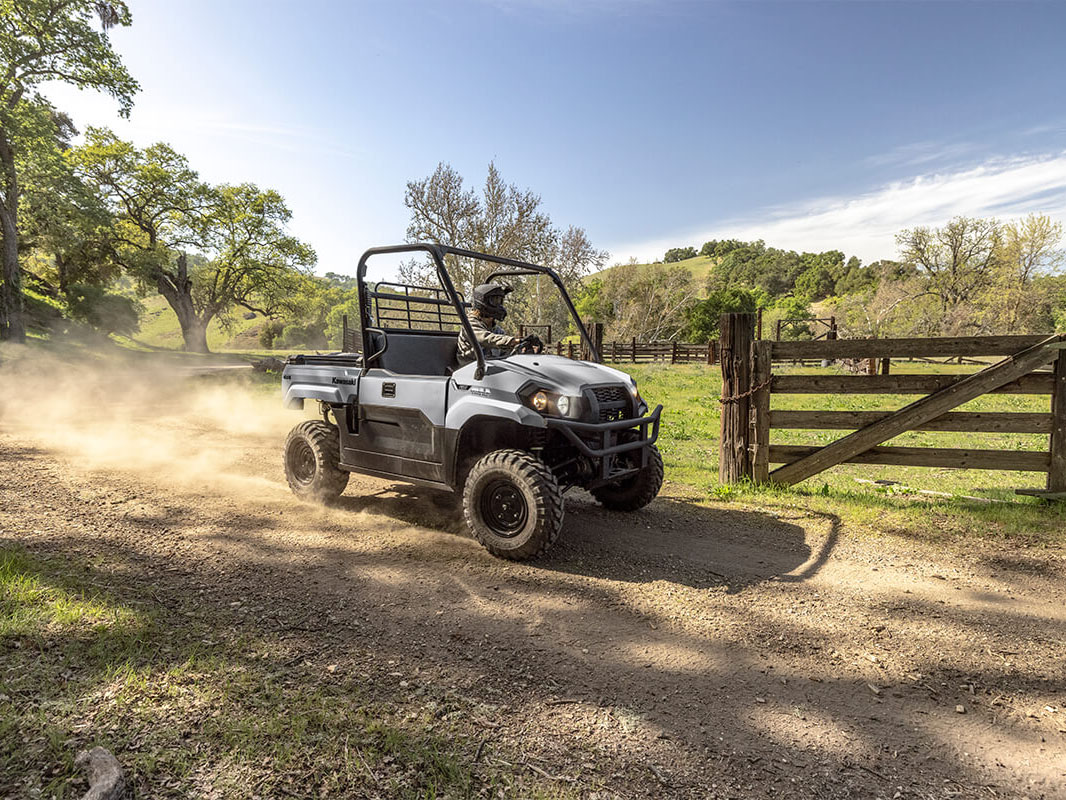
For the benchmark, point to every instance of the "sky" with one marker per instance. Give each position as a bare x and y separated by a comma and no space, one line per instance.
811,125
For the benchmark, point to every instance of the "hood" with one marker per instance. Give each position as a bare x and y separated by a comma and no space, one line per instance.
552,372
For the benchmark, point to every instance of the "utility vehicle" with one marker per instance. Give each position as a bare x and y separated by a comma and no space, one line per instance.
512,433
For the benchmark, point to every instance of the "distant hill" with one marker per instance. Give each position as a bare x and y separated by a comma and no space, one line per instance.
700,267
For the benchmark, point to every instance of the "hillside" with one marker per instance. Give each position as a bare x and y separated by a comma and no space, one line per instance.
160,328
700,267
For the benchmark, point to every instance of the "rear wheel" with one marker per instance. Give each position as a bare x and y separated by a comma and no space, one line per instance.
312,458
638,490
512,504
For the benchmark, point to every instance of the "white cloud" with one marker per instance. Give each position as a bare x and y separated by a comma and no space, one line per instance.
866,225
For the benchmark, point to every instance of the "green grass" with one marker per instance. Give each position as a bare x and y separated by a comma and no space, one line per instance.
689,443
160,328
198,701
700,267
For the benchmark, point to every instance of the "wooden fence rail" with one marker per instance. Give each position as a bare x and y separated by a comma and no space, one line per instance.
635,352
1030,365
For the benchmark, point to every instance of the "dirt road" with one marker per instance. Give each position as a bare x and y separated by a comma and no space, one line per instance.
683,651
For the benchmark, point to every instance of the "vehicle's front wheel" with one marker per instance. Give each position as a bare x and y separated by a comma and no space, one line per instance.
312,458
638,490
512,504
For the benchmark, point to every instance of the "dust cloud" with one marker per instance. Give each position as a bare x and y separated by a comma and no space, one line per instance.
172,420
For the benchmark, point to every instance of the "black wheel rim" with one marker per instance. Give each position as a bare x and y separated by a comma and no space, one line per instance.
302,463
504,508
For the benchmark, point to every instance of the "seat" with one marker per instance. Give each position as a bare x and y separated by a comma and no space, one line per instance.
417,353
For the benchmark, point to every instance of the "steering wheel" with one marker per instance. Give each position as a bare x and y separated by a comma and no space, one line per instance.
529,345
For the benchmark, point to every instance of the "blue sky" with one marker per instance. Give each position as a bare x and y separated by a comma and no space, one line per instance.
650,124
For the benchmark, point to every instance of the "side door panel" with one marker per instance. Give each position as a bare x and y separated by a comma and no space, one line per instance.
400,426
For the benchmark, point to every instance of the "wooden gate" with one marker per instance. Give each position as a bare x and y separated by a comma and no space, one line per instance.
747,417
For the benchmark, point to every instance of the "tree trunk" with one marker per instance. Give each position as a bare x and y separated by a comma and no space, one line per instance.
177,290
195,336
12,325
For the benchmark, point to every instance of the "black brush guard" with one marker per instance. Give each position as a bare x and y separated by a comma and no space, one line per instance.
578,434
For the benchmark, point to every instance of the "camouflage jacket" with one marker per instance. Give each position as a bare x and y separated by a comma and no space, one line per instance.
492,340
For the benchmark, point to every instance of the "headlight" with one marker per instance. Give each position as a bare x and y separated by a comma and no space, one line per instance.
549,403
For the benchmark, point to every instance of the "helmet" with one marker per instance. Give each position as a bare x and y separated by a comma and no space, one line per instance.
488,299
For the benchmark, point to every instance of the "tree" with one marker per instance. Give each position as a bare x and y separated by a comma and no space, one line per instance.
253,263
64,225
1018,300
46,40
959,259
503,220
647,302
815,283
702,317
205,249
676,254
157,201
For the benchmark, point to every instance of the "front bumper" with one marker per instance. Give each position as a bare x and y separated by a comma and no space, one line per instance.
579,434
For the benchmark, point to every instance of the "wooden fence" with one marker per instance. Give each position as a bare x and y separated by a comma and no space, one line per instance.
667,352
1029,365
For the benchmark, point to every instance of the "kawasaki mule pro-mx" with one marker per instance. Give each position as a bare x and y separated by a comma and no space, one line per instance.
513,433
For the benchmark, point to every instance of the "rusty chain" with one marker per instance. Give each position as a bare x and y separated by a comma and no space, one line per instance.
737,397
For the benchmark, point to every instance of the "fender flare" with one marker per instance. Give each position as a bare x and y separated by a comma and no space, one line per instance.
466,408
296,393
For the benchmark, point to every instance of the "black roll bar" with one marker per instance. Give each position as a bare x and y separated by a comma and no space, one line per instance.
438,252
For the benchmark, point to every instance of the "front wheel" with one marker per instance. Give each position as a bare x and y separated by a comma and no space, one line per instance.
512,504
638,490
312,456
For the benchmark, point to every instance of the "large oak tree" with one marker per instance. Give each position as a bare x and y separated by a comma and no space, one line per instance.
205,249
45,40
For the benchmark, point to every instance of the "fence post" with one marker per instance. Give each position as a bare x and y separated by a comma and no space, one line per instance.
673,352
1056,476
569,349
758,326
886,368
595,330
559,348
633,349
778,336
344,333
734,458
761,372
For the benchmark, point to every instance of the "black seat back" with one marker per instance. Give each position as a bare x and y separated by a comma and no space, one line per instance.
416,353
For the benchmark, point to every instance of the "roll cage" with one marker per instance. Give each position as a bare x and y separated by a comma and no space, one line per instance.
437,252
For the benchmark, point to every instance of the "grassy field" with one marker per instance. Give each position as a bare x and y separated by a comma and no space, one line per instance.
689,442
160,328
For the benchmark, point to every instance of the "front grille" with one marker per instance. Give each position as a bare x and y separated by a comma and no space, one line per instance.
610,394
612,403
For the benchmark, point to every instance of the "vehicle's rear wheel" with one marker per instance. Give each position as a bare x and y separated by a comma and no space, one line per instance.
312,458
512,504
638,490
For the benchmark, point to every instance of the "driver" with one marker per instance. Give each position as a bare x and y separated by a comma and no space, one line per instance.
487,309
